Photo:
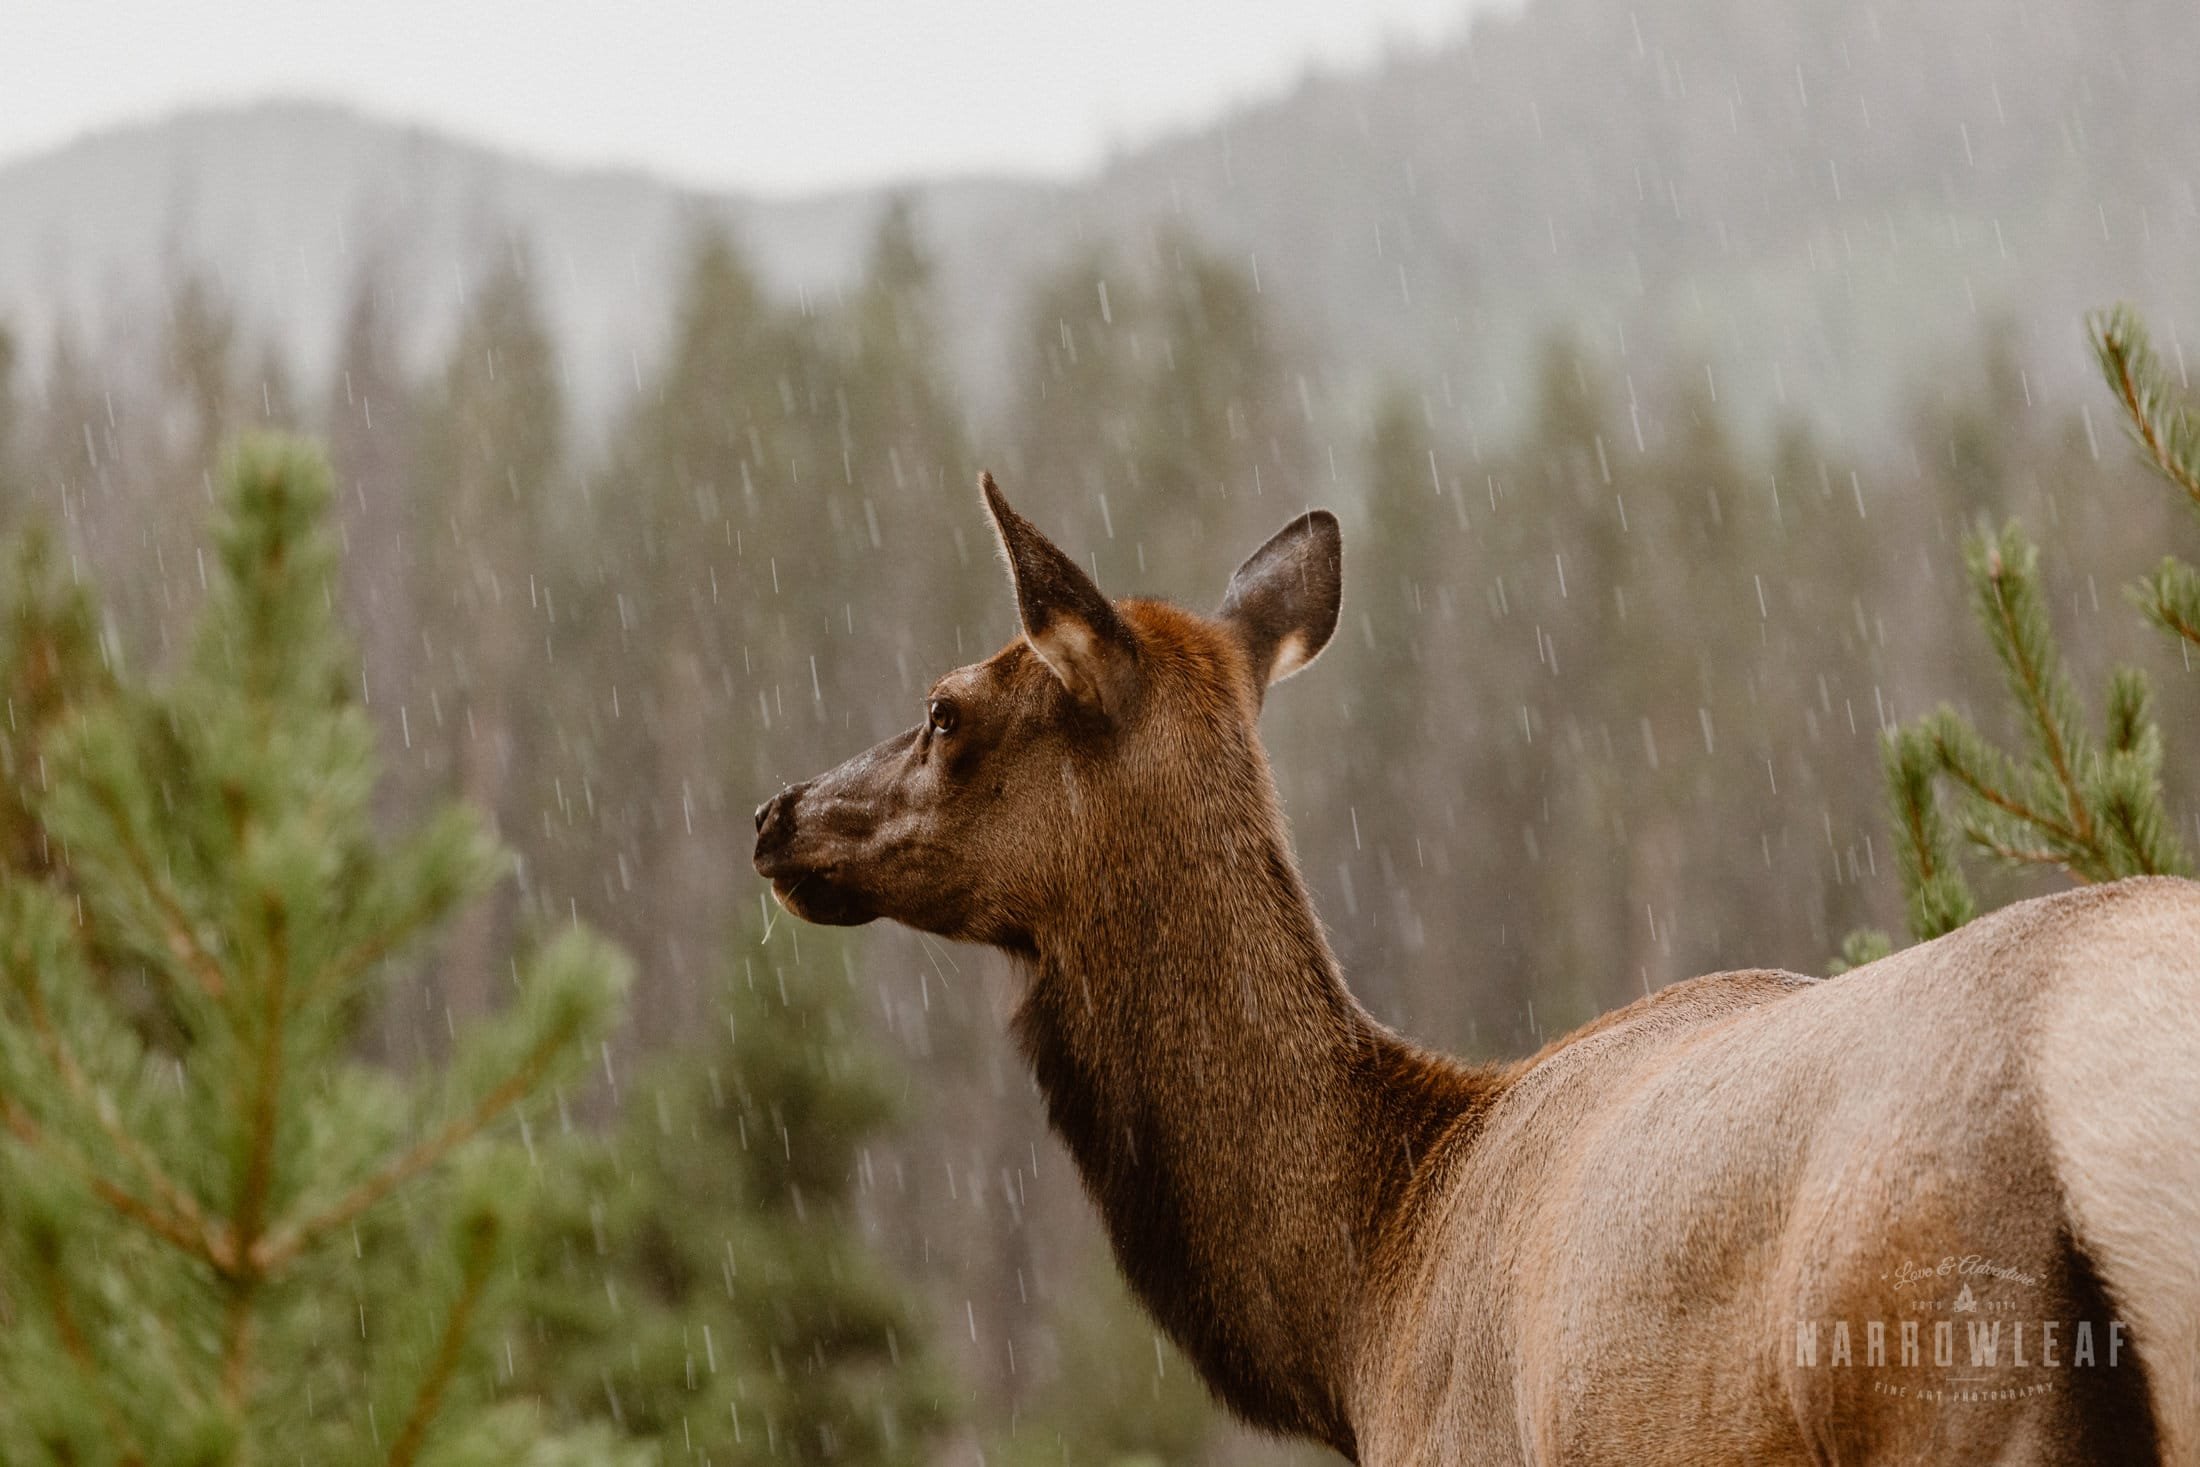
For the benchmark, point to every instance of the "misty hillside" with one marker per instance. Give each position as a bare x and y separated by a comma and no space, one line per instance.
1812,194
1808,197
282,204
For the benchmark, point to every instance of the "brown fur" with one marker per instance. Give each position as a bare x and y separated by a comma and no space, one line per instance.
1598,1254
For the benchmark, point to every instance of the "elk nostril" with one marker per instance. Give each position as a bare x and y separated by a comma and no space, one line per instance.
775,818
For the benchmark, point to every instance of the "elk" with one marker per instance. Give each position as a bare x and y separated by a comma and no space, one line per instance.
1726,1223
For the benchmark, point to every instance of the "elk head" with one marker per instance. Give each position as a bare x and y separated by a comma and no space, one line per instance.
1109,734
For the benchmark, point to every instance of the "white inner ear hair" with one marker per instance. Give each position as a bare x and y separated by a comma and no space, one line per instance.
1070,648
1290,657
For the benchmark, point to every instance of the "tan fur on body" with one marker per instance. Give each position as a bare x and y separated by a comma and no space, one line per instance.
1678,1185
1601,1253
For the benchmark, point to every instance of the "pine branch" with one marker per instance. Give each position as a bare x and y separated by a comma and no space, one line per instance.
126,1204
237,1346
2016,855
2167,433
177,929
2005,582
163,1225
284,1244
76,1345
2170,597
66,1329
451,861
2130,710
2098,816
1986,773
2009,839
2142,838
481,1245
1864,946
2127,788
257,1164
1938,898
175,1215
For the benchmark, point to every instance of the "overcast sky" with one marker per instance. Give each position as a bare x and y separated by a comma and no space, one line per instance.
778,95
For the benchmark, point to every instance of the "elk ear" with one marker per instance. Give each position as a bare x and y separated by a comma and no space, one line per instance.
1283,601
1067,622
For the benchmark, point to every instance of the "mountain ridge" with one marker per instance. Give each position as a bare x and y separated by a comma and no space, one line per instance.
280,202
1803,204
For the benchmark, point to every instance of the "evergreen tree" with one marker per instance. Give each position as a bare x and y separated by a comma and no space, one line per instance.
1160,413
486,497
1399,627
1819,661
719,526
2168,435
1561,557
52,662
1704,686
272,399
1087,343
12,467
201,349
142,532
222,1239
2089,806
908,460
369,422
1972,425
903,425
704,1279
1219,445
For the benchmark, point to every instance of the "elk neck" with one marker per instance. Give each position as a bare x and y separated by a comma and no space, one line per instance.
1249,1134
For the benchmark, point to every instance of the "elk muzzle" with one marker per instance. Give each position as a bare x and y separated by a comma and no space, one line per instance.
795,855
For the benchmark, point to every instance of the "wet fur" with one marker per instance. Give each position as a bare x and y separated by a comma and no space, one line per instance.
1594,1255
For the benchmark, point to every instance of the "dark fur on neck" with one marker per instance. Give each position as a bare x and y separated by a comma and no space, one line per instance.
1246,1130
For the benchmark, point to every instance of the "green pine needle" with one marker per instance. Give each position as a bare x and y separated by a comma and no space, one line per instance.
2095,812
1939,899
2170,598
181,991
2168,433
2004,572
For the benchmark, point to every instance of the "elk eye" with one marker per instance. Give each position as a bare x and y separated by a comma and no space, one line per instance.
942,714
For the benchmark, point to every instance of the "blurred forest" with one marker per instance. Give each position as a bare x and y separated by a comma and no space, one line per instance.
1603,711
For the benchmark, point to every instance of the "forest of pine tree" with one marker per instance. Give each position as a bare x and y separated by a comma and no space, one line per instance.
2090,808
223,1234
330,1128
